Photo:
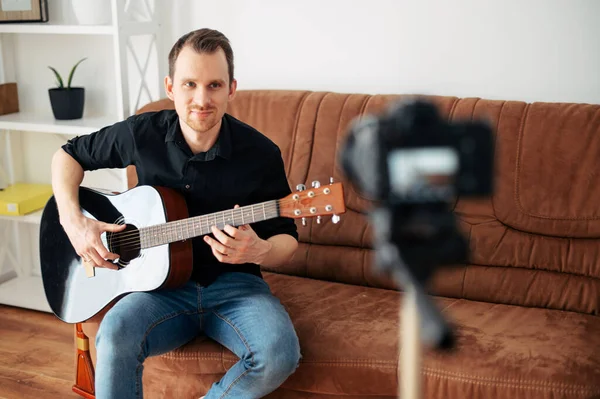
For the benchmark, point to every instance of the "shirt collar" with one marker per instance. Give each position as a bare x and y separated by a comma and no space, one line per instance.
222,146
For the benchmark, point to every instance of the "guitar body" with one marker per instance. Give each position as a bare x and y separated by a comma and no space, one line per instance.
155,249
75,297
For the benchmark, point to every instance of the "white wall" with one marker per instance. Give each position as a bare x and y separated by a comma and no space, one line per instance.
530,50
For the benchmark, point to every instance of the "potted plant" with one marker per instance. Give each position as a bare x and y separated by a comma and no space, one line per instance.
67,102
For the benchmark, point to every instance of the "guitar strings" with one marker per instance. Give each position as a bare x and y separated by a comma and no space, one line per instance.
271,205
132,240
170,226
134,237
133,243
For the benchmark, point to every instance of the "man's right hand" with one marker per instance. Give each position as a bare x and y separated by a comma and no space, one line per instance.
84,234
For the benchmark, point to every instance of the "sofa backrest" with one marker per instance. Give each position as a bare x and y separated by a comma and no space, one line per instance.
534,243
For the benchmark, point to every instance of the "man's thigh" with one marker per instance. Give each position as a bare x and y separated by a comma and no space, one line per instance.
156,322
242,314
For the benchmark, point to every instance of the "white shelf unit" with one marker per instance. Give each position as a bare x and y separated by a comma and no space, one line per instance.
32,218
44,123
60,29
137,80
25,292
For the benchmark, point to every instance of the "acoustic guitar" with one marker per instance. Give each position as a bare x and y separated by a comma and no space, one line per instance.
155,248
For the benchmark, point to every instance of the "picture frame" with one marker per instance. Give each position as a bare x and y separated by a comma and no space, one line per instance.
37,12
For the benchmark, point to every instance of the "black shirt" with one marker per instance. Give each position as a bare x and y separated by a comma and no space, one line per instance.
243,167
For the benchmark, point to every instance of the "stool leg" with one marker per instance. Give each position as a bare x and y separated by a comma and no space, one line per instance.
84,382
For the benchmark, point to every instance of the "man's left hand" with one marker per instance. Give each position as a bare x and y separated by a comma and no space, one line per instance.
238,245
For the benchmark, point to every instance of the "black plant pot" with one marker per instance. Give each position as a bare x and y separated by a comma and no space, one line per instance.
67,103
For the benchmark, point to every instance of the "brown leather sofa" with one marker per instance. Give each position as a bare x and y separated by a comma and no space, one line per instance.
525,308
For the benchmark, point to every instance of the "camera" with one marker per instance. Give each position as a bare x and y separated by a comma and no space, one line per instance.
413,165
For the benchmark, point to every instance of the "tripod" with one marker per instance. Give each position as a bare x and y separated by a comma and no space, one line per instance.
422,323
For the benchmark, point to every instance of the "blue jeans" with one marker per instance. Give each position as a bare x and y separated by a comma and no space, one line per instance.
238,310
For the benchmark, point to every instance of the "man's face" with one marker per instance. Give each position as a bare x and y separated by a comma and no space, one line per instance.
200,88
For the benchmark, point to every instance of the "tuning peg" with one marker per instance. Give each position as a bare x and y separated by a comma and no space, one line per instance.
331,180
303,221
300,187
335,218
316,184
318,219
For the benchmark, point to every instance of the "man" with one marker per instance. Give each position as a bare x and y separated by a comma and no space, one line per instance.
217,163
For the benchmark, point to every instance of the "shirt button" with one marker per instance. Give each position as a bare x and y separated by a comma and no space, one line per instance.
187,186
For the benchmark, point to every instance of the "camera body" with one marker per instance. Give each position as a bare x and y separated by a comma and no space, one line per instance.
410,155
414,165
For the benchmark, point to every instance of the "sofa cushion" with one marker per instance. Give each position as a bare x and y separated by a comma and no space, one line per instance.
349,336
536,241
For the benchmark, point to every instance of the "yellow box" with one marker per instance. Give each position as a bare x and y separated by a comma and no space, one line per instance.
23,198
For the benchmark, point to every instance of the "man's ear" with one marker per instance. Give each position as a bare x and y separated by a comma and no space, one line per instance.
232,89
169,87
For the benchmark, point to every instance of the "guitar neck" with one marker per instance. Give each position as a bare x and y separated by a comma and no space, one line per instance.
184,229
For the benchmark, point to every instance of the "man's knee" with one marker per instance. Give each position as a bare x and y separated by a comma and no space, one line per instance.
279,358
117,336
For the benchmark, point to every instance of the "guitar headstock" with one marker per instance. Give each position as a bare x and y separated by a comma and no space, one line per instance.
316,201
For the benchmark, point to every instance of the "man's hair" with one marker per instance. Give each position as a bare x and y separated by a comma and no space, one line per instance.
202,41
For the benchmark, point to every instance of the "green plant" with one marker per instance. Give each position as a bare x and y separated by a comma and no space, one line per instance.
59,80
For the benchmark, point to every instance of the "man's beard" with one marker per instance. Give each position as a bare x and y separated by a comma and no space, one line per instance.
201,125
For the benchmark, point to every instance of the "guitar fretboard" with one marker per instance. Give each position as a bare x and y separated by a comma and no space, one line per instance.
179,230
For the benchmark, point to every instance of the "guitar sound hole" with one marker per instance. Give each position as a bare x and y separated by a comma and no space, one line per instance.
125,243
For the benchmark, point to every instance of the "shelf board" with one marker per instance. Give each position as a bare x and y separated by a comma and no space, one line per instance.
33,217
46,28
25,292
32,122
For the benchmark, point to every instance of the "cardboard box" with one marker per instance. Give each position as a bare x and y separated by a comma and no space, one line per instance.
23,198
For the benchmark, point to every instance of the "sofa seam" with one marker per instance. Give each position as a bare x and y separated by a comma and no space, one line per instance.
295,131
508,227
337,135
496,139
495,219
496,381
470,263
477,100
480,380
464,275
533,270
312,147
452,109
363,107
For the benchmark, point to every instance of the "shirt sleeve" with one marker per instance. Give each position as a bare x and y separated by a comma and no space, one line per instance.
110,147
274,185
